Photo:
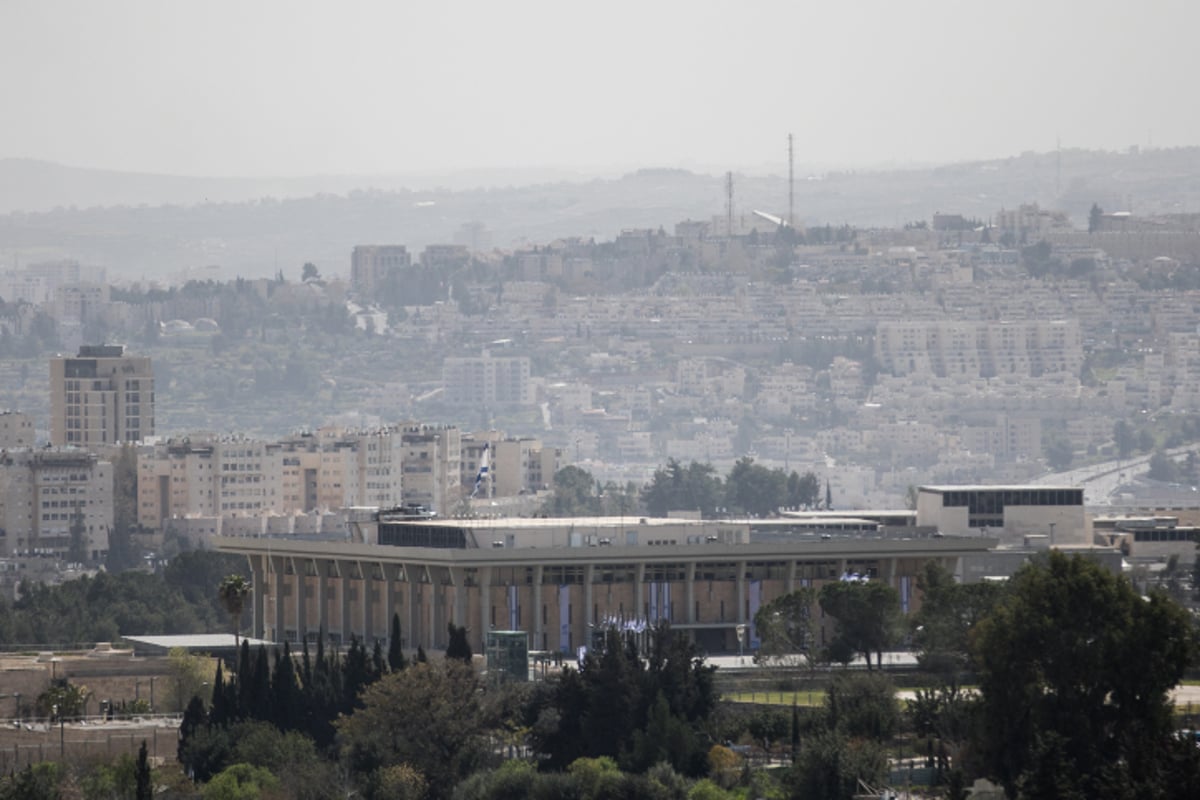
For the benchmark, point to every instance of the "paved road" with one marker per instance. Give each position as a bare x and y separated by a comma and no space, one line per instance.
1100,481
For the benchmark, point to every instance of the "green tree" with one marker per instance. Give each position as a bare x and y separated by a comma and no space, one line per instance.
754,489
427,716
458,647
240,782
949,611
574,494
395,653
233,591
675,487
188,674
144,788
1125,437
78,549
1164,468
1075,668
310,272
121,551
1095,218
868,617
1058,451
786,629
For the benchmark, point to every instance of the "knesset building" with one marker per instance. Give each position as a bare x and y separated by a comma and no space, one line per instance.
556,579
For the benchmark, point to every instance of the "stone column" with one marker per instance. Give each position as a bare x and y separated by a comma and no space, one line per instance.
741,592
791,578
389,594
538,628
413,574
639,590
691,592
344,594
257,595
366,570
277,567
485,605
299,574
322,569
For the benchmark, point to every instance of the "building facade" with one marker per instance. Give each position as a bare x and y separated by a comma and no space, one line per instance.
1013,513
101,397
55,502
557,579
370,265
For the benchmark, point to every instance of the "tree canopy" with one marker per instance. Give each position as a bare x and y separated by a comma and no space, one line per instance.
1074,673
868,617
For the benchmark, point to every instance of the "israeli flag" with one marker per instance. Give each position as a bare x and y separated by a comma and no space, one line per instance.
483,470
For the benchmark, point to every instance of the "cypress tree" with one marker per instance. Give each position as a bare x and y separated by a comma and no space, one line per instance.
193,720
285,693
378,664
220,713
145,786
260,696
395,654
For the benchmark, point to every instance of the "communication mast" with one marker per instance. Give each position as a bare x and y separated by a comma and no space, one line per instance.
729,204
791,186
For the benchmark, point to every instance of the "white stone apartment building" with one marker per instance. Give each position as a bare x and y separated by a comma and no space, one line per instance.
487,381
45,493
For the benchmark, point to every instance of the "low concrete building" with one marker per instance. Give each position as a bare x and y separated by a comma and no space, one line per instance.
556,579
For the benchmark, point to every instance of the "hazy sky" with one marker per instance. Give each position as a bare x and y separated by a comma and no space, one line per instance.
296,88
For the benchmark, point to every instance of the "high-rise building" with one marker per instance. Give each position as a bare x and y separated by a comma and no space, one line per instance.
101,396
371,263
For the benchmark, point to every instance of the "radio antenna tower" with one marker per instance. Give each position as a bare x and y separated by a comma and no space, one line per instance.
791,186
729,204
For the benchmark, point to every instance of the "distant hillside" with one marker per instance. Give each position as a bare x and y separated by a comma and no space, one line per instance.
146,225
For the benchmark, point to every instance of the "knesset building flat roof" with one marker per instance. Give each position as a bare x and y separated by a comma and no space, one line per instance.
800,548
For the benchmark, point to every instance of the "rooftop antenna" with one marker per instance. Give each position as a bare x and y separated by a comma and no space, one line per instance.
729,204
791,186
1058,168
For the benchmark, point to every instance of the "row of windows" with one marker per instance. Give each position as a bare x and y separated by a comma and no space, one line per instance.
994,501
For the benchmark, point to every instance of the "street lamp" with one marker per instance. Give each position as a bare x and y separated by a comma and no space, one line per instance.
152,677
62,738
17,705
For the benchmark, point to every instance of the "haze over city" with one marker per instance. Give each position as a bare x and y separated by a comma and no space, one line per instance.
539,399
299,88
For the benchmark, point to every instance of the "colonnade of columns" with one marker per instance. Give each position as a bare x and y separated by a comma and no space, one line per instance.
299,596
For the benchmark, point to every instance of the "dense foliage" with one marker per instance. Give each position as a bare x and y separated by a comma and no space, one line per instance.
1074,673
181,599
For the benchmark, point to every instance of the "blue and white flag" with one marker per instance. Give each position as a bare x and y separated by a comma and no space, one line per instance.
483,470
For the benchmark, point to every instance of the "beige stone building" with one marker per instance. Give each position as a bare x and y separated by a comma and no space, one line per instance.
16,430
557,579
370,265
101,396
44,494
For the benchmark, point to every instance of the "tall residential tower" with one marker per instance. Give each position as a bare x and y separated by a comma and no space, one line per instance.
101,396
